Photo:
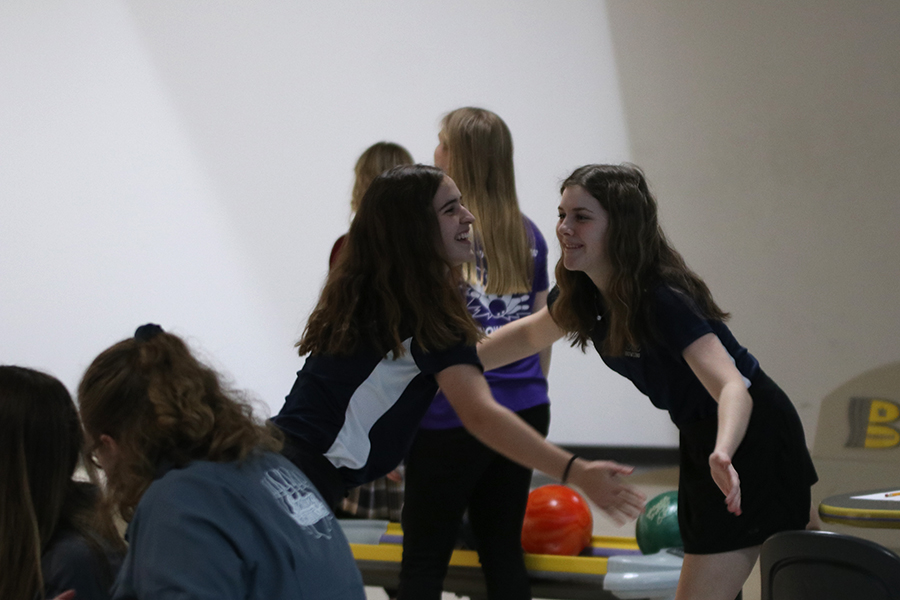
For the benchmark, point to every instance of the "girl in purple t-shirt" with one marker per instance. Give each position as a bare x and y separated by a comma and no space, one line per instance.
448,470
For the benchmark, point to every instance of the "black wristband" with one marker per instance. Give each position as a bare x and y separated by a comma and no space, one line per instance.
568,467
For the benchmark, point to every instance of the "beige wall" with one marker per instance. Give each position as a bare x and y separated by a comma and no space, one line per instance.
771,131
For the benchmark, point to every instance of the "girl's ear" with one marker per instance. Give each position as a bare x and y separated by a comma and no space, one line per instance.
107,452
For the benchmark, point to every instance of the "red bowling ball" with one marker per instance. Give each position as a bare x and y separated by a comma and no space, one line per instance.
557,521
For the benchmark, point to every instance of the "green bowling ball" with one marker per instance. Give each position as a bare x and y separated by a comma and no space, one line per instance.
657,527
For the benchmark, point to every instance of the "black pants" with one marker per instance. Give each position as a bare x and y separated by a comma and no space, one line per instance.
448,471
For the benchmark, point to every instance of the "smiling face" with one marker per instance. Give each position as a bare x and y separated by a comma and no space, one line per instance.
582,232
455,223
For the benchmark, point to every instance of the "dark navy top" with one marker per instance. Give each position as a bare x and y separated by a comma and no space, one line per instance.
659,370
71,563
362,411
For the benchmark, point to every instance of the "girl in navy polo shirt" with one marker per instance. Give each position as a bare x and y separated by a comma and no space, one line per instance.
745,470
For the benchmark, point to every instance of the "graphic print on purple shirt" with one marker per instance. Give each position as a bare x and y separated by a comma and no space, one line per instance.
518,385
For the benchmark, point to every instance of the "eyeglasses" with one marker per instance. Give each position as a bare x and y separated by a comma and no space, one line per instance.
91,454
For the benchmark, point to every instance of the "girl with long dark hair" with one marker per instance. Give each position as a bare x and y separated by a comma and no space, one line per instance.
56,534
745,469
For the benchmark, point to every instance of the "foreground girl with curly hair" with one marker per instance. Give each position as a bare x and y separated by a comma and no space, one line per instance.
214,511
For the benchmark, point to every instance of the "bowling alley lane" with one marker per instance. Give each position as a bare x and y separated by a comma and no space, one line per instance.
651,480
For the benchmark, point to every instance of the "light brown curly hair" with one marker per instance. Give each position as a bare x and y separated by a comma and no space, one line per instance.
163,407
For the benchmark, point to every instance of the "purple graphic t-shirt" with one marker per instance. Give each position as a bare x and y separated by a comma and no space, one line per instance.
518,385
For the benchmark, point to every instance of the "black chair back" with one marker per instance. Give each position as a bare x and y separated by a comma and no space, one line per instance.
822,565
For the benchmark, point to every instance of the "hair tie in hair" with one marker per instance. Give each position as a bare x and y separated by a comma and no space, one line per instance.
147,332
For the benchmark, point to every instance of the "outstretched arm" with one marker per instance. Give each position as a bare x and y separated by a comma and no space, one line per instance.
502,430
715,369
519,339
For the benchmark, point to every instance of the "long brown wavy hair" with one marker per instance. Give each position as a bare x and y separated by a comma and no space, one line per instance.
641,257
390,280
480,151
41,444
163,407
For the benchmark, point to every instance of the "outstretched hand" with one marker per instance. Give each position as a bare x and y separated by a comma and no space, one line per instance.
725,476
601,482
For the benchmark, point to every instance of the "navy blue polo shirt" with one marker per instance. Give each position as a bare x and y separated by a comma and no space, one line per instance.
658,369
362,411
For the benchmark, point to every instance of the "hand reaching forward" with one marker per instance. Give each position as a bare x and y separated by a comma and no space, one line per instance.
601,482
727,479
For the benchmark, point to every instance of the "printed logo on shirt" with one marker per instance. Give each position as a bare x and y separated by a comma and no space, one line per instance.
479,253
505,308
298,499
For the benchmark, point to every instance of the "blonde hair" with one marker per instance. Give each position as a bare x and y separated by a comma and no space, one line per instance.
376,159
480,152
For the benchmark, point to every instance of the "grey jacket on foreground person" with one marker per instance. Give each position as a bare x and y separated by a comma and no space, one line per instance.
256,529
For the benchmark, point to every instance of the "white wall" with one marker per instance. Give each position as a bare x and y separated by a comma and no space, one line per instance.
190,164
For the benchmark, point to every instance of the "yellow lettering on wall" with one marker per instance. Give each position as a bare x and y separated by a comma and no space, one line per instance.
881,436
874,423
883,411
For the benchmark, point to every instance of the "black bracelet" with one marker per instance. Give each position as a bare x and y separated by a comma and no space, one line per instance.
569,466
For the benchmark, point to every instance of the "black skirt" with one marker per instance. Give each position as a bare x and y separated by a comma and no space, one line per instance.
775,469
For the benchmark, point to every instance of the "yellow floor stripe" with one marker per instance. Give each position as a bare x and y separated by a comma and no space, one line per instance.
869,513
534,562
